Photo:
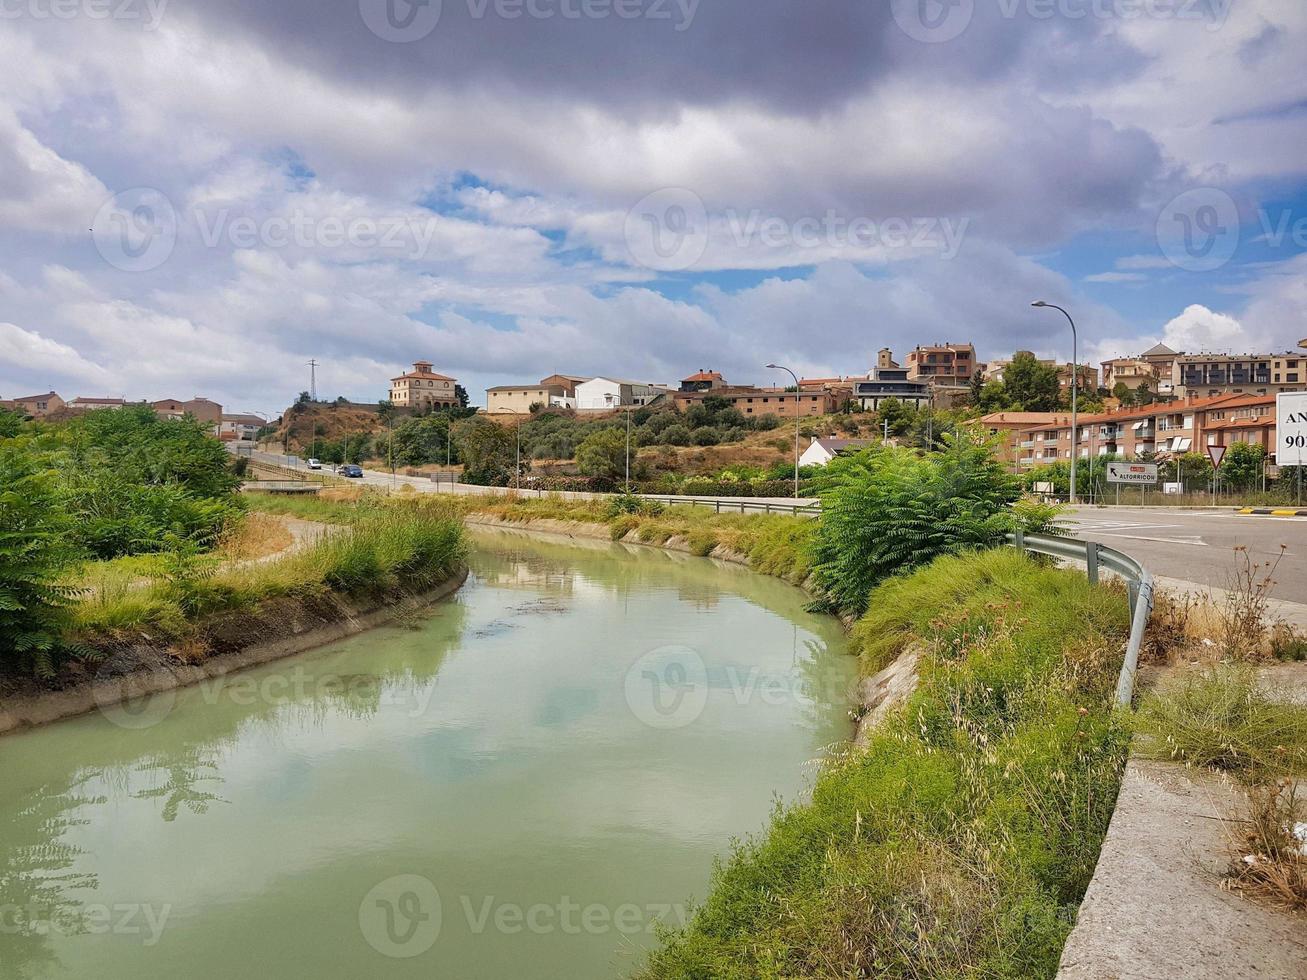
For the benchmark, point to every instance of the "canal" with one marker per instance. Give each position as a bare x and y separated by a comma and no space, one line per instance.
520,783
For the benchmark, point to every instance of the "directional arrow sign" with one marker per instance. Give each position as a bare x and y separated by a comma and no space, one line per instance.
1217,453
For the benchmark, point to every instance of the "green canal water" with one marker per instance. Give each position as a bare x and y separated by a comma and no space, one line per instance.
518,783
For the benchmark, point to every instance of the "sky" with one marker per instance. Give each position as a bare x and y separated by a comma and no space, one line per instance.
197,197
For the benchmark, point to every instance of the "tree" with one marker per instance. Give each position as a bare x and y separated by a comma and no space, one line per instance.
1030,385
1122,393
488,451
977,385
460,393
900,417
386,410
1241,469
603,454
35,551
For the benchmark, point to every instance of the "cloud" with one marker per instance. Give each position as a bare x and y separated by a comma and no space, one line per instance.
1117,277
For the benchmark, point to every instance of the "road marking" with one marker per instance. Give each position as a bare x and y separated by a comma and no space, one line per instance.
1189,539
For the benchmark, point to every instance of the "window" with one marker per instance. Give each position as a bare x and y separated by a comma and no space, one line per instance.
1291,377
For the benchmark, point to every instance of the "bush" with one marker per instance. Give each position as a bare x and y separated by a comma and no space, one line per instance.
705,435
888,510
676,435
34,553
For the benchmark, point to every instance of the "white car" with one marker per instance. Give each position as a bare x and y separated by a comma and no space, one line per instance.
315,464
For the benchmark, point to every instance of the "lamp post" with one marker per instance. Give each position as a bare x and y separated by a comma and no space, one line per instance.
1075,370
777,367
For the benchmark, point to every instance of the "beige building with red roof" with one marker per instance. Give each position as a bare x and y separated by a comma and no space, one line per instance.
422,389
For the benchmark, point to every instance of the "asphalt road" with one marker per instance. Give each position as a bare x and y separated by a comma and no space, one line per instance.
1198,545
1193,545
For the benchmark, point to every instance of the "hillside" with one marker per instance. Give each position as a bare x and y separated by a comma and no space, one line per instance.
327,421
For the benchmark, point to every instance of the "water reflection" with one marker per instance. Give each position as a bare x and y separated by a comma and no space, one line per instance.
491,747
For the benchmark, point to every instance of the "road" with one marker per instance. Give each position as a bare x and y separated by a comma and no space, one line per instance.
1198,545
1194,545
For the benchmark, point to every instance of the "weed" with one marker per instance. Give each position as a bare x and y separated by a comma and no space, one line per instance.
1271,854
1241,617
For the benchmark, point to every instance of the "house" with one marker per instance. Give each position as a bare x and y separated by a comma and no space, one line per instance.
887,380
567,382
520,399
822,451
240,428
422,389
703,380
38,405
83,404
943,364
748,400
607,394
201,408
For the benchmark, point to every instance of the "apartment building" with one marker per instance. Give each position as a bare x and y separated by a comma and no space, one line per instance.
422,389
1011,428
1161,429
1131,372
885,381
943,364
1209,375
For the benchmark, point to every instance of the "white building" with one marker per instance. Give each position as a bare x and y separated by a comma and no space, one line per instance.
240,428
606,394
822,451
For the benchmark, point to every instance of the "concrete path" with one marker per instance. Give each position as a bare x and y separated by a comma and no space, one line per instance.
1156,907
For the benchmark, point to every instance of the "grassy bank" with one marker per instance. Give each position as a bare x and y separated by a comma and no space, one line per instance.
376,552
961,841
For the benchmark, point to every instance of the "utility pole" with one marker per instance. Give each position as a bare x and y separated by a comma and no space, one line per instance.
313,379
777,367
1075,370
628,450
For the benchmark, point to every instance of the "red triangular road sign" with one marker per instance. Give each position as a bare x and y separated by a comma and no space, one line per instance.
1217,453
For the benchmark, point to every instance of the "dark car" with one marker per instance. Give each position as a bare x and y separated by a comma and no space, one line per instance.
352,470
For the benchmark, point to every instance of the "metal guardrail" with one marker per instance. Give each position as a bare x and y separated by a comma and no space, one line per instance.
812,509
1095,556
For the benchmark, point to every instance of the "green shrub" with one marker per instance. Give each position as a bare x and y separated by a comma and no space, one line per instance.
888,510
35,551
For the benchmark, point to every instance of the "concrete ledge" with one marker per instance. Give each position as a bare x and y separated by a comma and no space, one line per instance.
1156,906
30,711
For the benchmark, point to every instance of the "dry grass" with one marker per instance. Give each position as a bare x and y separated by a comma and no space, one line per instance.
1271,851
258,535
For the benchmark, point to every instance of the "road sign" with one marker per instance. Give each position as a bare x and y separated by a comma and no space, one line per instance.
1216,454
1136,473
1291,428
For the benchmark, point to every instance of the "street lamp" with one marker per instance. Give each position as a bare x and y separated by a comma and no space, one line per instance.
1075,371
777,367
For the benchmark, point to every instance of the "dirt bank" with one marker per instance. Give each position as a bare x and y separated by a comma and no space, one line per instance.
234,641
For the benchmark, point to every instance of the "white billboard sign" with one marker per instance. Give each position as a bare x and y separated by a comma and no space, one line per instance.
1291,428
1137,473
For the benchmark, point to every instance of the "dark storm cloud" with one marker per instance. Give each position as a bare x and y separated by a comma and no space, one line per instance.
794,56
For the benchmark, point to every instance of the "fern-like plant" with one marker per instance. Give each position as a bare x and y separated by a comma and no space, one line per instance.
889,509
34,554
